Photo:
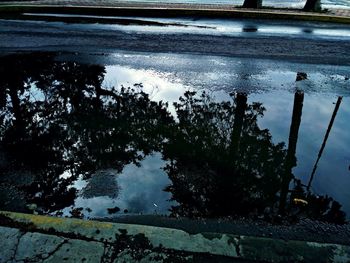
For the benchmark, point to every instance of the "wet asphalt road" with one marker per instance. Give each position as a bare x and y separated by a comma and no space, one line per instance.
286,41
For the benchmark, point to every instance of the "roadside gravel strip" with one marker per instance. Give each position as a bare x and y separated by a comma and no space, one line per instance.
31,237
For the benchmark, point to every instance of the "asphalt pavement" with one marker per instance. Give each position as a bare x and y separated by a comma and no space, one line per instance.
298,41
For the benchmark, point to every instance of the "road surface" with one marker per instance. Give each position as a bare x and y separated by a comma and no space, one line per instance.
293,41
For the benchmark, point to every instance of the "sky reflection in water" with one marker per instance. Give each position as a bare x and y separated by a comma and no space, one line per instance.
140,191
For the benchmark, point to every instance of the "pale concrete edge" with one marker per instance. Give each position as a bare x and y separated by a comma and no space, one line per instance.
237,246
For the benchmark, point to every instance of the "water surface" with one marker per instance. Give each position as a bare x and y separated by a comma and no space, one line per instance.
129,137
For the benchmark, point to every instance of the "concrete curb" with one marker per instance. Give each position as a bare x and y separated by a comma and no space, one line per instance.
228,245
149,11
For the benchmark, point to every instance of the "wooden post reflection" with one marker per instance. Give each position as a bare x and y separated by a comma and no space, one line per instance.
324,141
241,106
292,146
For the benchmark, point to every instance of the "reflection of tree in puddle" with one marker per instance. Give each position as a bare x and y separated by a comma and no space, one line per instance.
30,137
223,164
56,117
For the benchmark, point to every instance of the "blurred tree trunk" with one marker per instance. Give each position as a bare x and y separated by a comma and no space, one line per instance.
291,160
241,106
313,5
252,3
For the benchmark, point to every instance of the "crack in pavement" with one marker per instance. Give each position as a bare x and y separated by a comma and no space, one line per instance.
50,254
13,257
40,256
107,253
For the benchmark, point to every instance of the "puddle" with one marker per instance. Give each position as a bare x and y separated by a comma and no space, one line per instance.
76,141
